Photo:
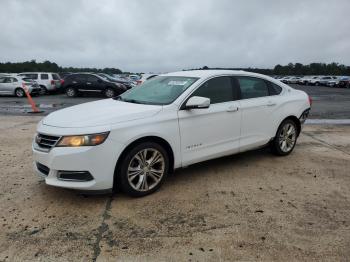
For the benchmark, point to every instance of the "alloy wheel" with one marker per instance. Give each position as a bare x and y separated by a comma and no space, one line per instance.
287,137
109,93
19,93
146,169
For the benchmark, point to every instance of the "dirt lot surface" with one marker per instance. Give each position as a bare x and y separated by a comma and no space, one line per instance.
251,206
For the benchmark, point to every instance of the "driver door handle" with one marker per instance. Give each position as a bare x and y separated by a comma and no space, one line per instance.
232,109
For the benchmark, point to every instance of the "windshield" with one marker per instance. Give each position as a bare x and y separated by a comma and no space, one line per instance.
161,90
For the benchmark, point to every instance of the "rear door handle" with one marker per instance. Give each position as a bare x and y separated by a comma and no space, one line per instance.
271,104
232,109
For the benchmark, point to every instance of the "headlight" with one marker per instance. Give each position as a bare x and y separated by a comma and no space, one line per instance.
83,140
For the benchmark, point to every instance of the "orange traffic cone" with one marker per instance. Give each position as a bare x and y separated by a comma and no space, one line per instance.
30,100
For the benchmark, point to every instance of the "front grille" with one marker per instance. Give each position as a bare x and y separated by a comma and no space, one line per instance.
43,169
46,141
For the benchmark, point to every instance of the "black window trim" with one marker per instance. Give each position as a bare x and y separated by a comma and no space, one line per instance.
183,104
267,82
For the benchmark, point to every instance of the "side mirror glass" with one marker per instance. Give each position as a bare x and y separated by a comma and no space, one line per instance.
198,102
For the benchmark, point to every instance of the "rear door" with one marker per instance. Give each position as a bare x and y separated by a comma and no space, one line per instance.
214,131
92,84
3,85
256,107
8,85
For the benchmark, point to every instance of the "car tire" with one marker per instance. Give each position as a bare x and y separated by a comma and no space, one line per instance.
109,92
135,175
19,92
71,92
285,139
317,84
43,90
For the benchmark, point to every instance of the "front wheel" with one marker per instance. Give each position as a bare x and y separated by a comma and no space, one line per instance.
285,139
143,169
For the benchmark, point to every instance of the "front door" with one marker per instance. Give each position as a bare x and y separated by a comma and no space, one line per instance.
214,131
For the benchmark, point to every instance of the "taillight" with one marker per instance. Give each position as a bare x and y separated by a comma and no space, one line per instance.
310,100
62,81
52,82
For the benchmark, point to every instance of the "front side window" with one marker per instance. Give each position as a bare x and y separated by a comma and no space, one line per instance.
218,89
44,76
252,87
161,90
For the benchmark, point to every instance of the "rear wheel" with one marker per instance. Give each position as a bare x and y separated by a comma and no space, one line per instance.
71,92
143,169
109,92
19,92
285,139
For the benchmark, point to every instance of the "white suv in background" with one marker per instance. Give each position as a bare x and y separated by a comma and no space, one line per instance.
48,82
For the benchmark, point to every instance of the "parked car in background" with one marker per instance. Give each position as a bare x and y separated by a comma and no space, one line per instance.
293,80
307,79
315,81
127,83
333,82
13,85
285,79
48,82
344,82
134,77
80,83
177,119
325,79
145,77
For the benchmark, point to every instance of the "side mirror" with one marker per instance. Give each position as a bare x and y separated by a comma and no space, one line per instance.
197,102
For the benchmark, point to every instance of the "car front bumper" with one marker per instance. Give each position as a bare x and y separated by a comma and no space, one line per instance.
98,161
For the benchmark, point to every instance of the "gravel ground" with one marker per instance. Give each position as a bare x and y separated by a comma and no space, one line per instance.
251,206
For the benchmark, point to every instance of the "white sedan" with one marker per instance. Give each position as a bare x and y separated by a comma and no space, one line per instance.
174,120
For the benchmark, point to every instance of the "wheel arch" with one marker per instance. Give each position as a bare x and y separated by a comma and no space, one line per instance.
295,120
156,139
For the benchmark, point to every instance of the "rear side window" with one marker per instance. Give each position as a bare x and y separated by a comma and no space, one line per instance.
79,78
218,89
274,89
252,87
14,80
31,76
91,78
55,77
44,76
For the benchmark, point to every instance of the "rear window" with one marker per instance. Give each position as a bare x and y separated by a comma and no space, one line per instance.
55,77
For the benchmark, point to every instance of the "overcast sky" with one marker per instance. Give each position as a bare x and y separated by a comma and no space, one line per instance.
168,35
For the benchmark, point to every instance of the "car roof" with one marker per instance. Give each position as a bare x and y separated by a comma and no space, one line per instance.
211,73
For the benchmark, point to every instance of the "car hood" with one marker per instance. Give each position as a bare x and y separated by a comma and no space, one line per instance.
99,113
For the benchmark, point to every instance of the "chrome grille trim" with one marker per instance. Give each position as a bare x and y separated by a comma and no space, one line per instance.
46,142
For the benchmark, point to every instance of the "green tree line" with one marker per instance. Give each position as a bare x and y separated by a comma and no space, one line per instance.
296,69
290,69
47,66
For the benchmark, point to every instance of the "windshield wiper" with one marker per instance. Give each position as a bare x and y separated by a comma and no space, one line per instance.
127,100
